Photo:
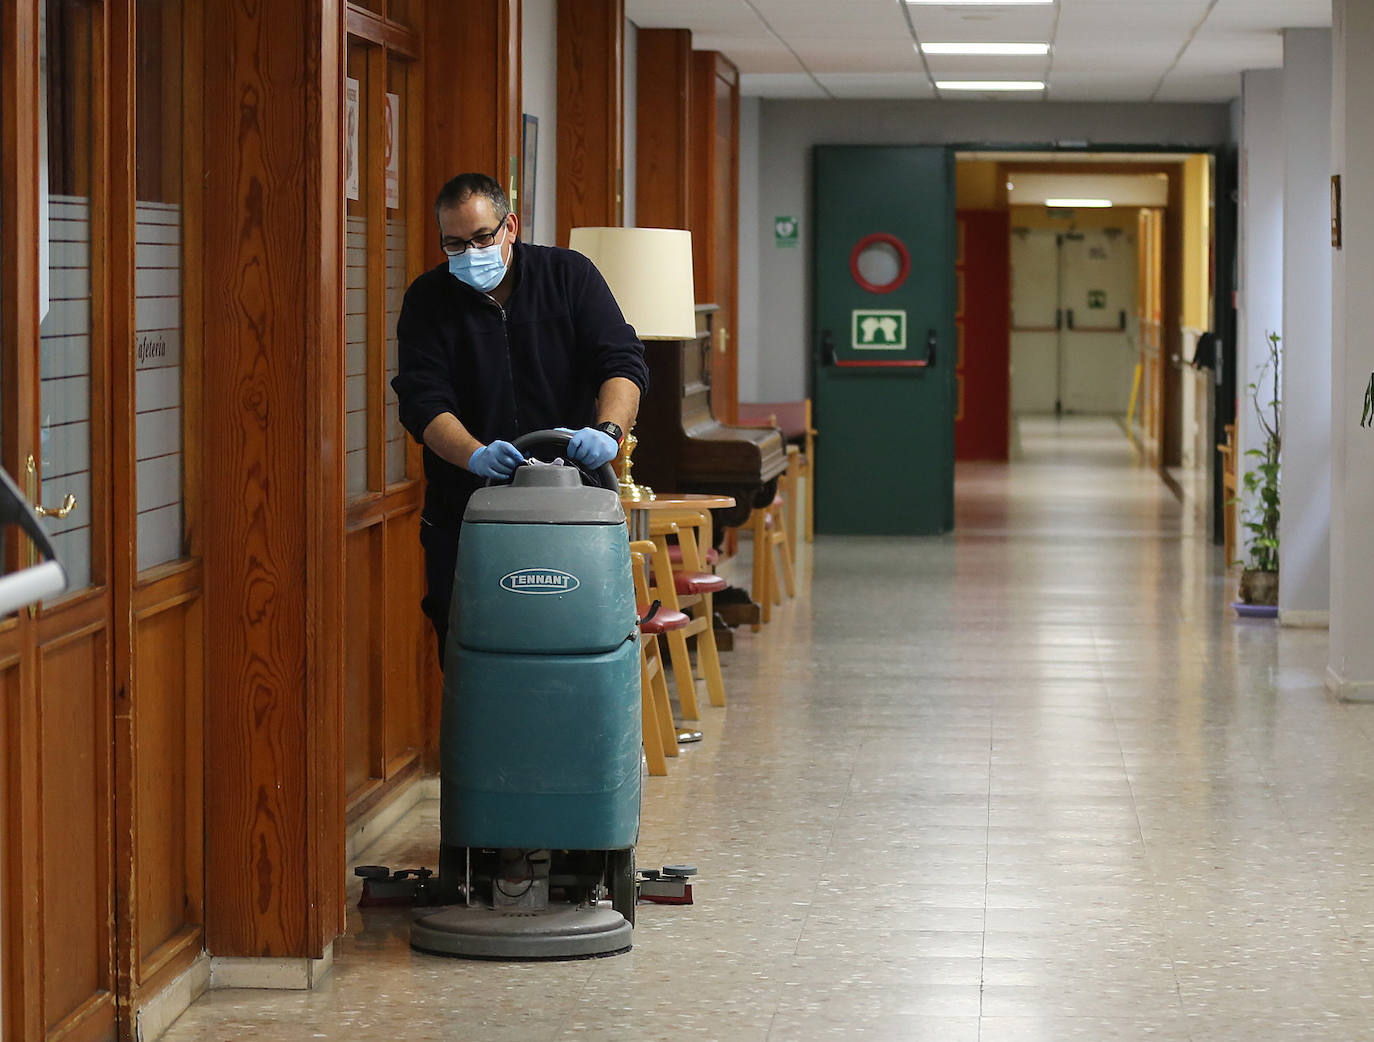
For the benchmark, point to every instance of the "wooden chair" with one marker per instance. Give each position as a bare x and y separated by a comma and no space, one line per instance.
660,736
772,554
688,588
1227,452
795,421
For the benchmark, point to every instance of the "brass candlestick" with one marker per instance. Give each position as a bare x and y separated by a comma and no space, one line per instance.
628,489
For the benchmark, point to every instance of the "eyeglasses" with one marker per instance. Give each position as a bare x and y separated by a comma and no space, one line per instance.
456,247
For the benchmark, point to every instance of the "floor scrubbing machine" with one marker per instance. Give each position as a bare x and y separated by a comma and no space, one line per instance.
540,737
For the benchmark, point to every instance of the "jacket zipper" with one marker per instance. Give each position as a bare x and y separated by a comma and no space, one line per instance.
510,367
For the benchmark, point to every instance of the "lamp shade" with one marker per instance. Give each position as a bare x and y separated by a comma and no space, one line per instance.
649,271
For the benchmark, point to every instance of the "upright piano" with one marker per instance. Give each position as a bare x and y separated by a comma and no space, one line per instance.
684,448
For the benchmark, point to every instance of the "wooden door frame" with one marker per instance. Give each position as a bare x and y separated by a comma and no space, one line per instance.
1165,452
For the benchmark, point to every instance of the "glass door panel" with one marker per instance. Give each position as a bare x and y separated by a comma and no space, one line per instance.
355,270
158,336
397,159
66,135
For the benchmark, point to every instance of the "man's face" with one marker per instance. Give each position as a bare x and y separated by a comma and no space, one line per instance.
475,218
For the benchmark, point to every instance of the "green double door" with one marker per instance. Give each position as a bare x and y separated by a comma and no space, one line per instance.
883,319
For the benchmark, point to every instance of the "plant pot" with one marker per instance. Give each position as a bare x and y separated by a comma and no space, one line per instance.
1258,587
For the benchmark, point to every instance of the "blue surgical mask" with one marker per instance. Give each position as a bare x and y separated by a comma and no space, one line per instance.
482,269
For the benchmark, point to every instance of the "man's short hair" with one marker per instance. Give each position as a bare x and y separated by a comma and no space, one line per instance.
458,189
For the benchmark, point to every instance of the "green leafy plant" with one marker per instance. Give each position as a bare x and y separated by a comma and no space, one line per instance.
1259,501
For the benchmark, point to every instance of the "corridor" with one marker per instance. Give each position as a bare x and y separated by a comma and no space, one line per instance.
1030,782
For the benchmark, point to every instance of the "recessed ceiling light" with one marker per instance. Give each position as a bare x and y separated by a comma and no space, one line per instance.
1074,204
988,85
986,48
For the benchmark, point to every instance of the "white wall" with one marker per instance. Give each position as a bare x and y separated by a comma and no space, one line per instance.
539,87
1350,668
750,379
631,103
789,129
1305,475
1260,289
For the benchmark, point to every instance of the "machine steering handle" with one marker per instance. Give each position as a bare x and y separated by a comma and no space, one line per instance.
550,445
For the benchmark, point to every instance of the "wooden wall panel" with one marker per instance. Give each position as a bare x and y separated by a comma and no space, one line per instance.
591,60
274,507
363,692
75,775
472,105
167,784
407,642
662,129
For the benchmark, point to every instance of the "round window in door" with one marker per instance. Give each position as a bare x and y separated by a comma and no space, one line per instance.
879,262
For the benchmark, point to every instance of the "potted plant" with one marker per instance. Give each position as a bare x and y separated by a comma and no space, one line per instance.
1259,499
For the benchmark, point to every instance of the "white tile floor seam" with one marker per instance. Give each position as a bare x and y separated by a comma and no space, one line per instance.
1031,781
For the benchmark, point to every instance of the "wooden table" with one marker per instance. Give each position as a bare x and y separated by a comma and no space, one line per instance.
637,514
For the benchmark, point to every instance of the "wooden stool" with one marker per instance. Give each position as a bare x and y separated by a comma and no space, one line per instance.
690,589
660,736
771,553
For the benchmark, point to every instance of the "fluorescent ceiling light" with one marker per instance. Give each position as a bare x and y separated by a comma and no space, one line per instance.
973,3
986,48
1073,204
990,84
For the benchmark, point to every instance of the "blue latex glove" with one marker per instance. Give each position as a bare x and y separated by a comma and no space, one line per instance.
592,448
497,460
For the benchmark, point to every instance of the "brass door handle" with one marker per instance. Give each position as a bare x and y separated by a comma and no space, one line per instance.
68,501
68,505
723,336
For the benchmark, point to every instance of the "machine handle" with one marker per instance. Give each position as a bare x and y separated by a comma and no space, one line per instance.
549,445
1069,314
39,581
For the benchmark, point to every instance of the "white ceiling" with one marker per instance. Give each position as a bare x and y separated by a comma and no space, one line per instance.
1101,50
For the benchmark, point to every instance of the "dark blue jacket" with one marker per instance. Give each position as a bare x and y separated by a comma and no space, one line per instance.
534,364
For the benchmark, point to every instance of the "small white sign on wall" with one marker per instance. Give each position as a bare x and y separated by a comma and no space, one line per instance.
351,138
393,151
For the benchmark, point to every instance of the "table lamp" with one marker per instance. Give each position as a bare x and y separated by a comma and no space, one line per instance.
649,271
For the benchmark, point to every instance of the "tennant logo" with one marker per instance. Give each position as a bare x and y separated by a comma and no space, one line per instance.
539,580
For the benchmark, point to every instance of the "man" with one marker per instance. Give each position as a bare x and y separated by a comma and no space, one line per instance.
504,339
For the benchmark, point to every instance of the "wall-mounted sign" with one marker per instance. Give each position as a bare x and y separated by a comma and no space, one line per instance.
351,138
393,151
1097,299
878,330
785,231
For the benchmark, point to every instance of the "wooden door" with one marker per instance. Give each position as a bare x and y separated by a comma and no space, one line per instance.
715,216
389,667
101,718
59,870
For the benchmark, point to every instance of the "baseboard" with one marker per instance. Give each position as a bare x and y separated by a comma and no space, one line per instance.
1305,620
155,1016
363,832
275,974
1349,690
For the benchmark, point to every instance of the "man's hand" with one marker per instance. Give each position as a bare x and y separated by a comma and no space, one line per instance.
497,460
592,448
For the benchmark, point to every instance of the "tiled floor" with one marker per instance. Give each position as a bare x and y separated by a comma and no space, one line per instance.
1029,781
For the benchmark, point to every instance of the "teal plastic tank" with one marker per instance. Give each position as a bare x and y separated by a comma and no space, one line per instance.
541,731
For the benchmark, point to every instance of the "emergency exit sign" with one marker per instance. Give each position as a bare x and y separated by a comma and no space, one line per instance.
878,330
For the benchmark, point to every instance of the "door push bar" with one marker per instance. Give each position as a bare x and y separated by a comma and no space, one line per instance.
1120,327
829,358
